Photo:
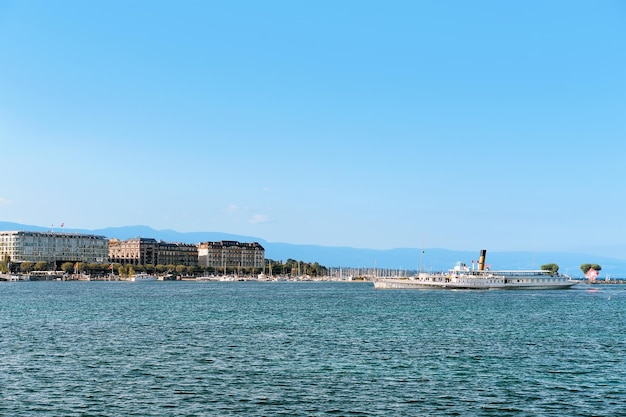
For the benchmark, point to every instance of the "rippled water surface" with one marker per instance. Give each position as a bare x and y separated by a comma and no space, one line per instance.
260,348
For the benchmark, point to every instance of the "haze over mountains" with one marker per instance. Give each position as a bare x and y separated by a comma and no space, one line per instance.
429,259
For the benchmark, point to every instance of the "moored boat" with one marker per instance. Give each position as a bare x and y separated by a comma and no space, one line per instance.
463,278
207,278
143,277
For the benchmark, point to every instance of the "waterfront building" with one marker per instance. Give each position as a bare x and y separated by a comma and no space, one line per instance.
178,254
134,251
148,251
231,254
52,247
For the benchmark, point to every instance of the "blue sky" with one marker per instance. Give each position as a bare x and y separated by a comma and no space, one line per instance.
450,124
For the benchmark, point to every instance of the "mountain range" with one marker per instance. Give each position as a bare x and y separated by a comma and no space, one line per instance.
411,259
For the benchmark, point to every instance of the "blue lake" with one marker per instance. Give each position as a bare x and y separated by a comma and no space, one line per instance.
308,348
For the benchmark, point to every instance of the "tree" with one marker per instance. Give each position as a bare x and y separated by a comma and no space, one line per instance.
67,267
93,268
122,270
586,267
4,265
26,267
554,268
41,266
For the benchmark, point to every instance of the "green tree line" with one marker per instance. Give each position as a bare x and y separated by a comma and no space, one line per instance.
293,267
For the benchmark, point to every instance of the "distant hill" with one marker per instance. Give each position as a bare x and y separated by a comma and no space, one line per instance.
432,259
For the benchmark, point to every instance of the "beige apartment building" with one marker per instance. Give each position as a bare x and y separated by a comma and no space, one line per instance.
135,251
148,251
231,254
55,248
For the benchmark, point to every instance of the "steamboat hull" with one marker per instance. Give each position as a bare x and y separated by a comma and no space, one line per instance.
421,285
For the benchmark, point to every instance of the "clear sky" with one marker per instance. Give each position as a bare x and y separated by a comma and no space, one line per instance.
374,124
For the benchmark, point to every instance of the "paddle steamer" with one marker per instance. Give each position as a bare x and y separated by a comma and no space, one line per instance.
463,278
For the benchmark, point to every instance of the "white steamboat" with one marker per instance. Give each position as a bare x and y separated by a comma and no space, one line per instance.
462,277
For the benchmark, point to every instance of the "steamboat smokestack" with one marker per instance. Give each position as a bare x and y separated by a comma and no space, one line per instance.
481,260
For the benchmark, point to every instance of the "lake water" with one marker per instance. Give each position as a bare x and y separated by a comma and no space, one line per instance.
307,349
